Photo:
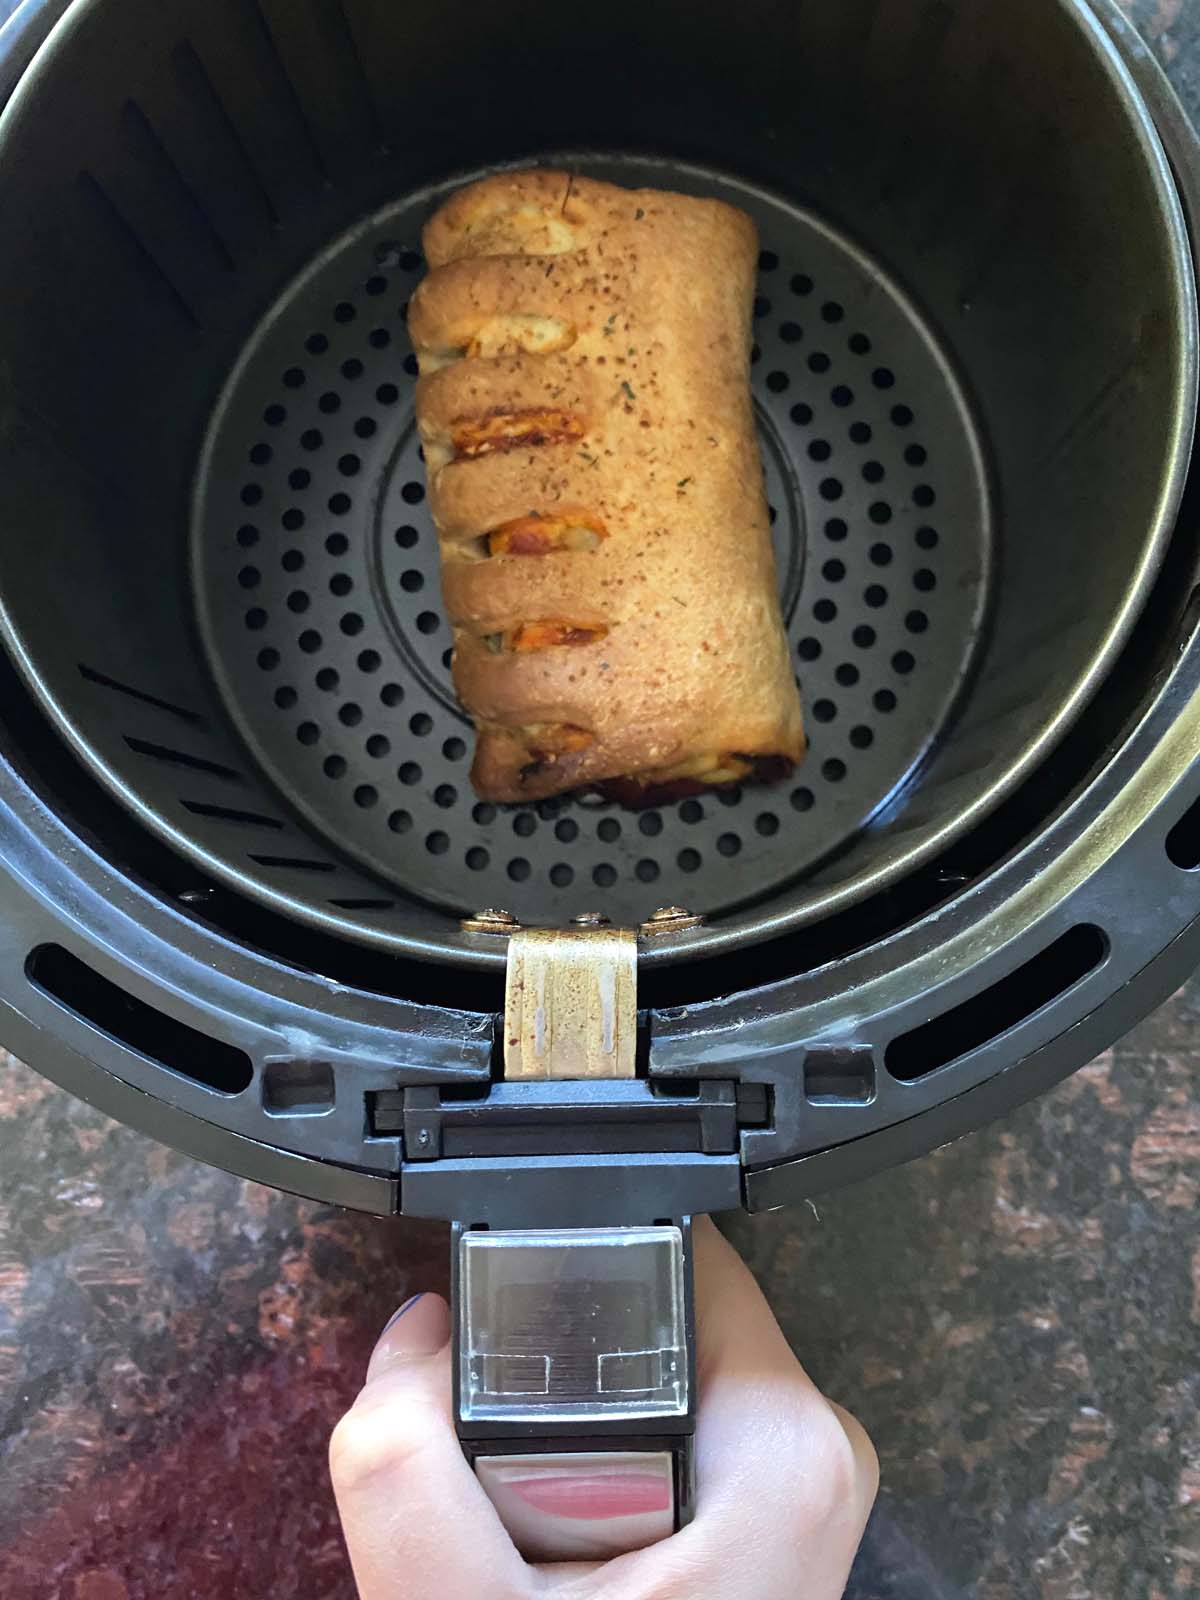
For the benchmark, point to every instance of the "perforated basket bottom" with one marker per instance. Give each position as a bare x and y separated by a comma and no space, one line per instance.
318,590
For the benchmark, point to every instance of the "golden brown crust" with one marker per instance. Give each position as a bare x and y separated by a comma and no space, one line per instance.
585,353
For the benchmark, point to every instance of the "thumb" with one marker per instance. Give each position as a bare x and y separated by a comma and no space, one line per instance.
417,1524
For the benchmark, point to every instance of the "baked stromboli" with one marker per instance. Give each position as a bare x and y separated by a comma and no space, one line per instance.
585,410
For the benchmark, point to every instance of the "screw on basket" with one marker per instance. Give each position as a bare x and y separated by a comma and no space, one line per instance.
670,919
590,919
490,921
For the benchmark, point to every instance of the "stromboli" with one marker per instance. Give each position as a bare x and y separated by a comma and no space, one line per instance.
594,476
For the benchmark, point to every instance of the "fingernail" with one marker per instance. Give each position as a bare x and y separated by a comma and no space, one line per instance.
420,1327
399,1312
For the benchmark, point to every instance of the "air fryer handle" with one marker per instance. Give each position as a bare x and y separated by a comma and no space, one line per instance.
574,1383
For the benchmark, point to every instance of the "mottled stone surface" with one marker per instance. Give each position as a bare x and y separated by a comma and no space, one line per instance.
1016,1318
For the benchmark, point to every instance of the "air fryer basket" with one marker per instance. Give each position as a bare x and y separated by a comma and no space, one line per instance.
237,834
972,378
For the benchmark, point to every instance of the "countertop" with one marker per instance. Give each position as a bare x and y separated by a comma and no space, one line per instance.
1015,1318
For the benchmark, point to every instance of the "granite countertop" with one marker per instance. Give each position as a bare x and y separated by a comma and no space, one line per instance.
1016,1319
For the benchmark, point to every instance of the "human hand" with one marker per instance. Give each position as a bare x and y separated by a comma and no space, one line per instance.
785,1478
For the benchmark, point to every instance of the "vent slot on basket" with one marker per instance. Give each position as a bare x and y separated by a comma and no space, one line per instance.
103,681
1003,1006
135,1024
298,1088
1183,841
838,1077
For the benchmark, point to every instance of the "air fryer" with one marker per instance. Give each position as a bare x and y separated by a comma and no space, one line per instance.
242,872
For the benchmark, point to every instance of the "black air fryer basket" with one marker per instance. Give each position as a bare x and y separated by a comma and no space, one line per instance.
238,839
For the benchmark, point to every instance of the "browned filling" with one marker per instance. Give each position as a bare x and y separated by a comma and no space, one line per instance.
548,739
546,635
541,534
710,771
473,437
548,742
520,332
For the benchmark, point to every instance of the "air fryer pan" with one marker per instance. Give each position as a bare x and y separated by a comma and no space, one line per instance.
317,577
1004,878
974,392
